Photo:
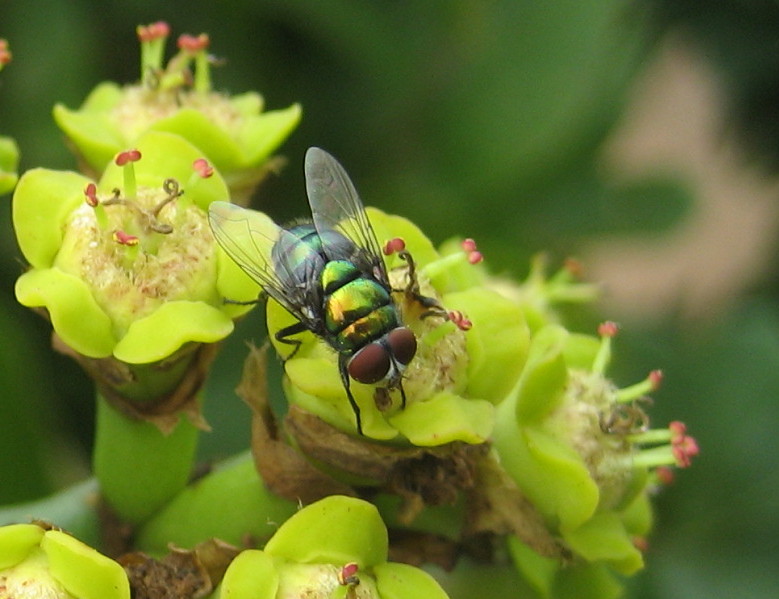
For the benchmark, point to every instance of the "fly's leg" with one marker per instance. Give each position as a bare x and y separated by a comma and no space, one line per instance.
282,336
260,298
242,303
402,395
343,361
434,308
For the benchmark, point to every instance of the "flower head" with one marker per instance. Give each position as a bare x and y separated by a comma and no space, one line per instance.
233,132
35,562
126,267
468,354
582,451
336,547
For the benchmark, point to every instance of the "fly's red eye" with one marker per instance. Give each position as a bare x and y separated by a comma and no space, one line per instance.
370,364
403,344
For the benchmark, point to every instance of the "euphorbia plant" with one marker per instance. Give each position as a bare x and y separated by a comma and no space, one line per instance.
512,445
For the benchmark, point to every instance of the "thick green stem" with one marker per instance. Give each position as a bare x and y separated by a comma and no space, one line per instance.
231,503
139,467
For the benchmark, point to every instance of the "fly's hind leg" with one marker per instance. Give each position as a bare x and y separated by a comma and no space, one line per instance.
343,360
282,336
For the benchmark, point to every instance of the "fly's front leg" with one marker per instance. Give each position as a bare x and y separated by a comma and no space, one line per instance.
343,363
434,308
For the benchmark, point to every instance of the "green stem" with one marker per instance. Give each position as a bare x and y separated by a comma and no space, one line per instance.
231,503
139,467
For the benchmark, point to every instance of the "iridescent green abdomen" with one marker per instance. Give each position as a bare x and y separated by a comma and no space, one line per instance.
357,309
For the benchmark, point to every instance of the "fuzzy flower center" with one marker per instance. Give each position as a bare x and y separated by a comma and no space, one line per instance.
132,267
441,359
140,107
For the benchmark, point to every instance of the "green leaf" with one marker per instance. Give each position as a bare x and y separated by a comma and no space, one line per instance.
401,581
604,538
74,313
42,203
170,326
445,418
335,530
251,575
85,573
497,344
16,542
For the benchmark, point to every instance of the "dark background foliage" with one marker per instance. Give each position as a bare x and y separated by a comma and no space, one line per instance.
469,117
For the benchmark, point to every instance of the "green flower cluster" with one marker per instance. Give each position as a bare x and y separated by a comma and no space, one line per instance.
137,275
557,433
123,263
456,378
232,132
35,562
335,548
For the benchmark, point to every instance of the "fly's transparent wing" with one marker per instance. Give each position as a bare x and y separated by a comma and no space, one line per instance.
248,237
335,205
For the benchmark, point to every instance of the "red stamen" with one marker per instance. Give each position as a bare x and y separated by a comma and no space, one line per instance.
469,245
458,318
475,257
608,329
677,428
348,574
5,53
656,378
123,158
202,168
153,31
684,449
123,238
396,244
90,191
192,44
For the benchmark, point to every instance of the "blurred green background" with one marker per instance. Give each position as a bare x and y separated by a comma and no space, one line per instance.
640,136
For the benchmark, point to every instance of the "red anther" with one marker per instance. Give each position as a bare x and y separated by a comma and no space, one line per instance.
475,257
202,168
656,378
460,320
193,44
348,574
684,449
608,329
396,244
123,238
665,475
123,158
5,53
573,266
90,191
677,428
469,245
153,31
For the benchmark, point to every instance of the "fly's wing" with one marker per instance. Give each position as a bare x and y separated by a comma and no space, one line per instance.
248,237
335,205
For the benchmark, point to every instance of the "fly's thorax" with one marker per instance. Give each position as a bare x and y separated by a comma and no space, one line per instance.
298,253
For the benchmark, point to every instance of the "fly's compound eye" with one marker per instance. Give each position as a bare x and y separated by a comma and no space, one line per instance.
403,344
369,365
